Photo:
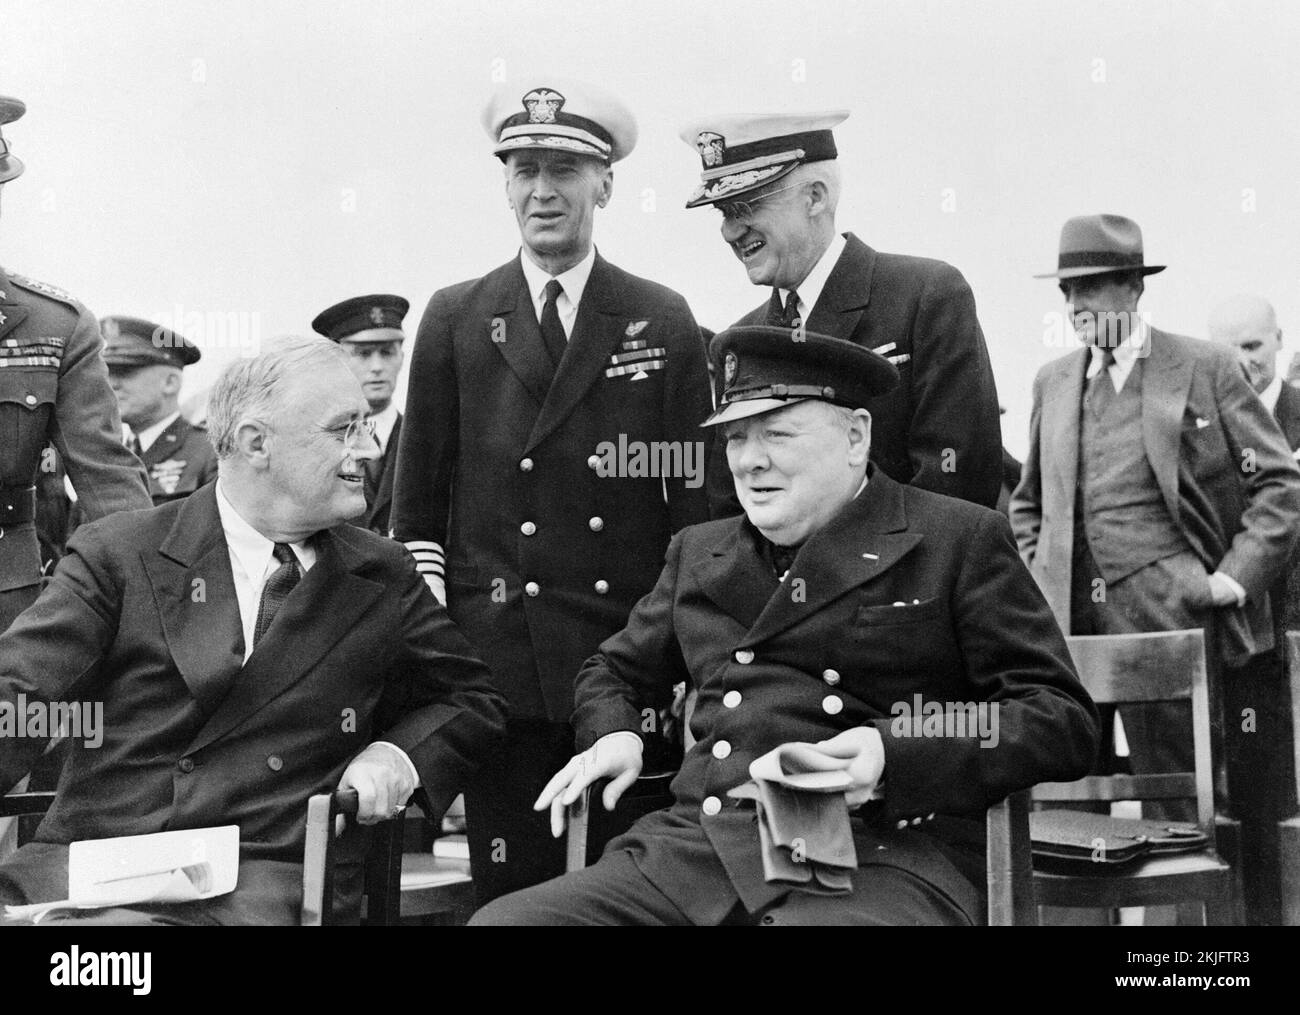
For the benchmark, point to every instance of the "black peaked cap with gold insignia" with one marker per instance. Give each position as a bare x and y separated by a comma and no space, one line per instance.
766,368
375,318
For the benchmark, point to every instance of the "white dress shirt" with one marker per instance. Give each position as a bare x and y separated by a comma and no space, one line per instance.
810,289
1271,394
149,434
1126,355
252,562
574,282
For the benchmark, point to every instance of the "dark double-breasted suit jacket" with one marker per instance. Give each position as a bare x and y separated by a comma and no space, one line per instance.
179,461
903,594
940,429
142,616
379,496
53,389
1223,467
546,553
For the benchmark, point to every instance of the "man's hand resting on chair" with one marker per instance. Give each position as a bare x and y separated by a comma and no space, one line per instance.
384,779
615,756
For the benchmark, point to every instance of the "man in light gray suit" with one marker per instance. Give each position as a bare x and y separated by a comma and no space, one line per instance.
1158,493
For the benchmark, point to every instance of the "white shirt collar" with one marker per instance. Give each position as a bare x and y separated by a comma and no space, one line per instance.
1270,395
573,281
1127,354
385,420
150,434
254,553
810,289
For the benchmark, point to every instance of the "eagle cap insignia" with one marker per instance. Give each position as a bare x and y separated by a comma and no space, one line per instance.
729,369
377,315
542,105
711,147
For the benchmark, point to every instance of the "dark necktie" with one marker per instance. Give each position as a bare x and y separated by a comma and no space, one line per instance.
552,329
1101,389
136,447
277,589
374,469
783,317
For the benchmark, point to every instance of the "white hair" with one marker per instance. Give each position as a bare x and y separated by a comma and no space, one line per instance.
825,172
251,387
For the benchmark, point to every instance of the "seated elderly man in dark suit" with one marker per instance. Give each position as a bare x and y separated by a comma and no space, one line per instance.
248,649
843,613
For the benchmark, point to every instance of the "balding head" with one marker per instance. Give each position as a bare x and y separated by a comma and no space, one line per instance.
1249,324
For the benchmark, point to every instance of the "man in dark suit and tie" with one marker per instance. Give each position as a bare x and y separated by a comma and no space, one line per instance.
828,618
248,649
369,328
550,449
145,364
776,181
1257,696
1158,493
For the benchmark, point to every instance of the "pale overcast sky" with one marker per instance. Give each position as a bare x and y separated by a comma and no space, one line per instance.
265,158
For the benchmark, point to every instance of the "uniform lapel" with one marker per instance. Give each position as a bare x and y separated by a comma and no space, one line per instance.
597,331
864,541
11,315
388,466
194,590
165,446
735,576
323,608
518,337
846,293
1165,382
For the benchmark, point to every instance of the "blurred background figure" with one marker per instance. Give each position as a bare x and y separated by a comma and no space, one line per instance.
145,365
369,328
1257,696
53,391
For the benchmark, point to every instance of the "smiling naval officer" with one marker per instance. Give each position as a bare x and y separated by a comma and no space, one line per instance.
369,328
518,379
776,180
839,595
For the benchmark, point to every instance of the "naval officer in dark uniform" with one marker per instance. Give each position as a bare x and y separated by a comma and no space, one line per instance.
53,389
369,328
828,618
145,362
550,449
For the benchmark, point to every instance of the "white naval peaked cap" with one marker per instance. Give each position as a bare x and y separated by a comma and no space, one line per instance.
559,114
741,152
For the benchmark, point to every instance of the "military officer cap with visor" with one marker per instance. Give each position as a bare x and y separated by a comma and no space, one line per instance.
11,167
375,318
742,153
766,368
131,342
559,114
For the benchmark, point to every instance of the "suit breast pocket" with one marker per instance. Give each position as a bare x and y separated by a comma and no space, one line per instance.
27,398
913,611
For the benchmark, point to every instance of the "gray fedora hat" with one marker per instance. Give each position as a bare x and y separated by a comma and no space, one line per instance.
1096,244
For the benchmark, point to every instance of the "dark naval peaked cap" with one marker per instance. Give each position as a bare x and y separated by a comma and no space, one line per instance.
766,368
11,167
742,153
559,114
131,342
375,318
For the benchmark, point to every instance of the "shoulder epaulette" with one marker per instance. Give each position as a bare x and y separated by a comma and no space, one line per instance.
44,288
